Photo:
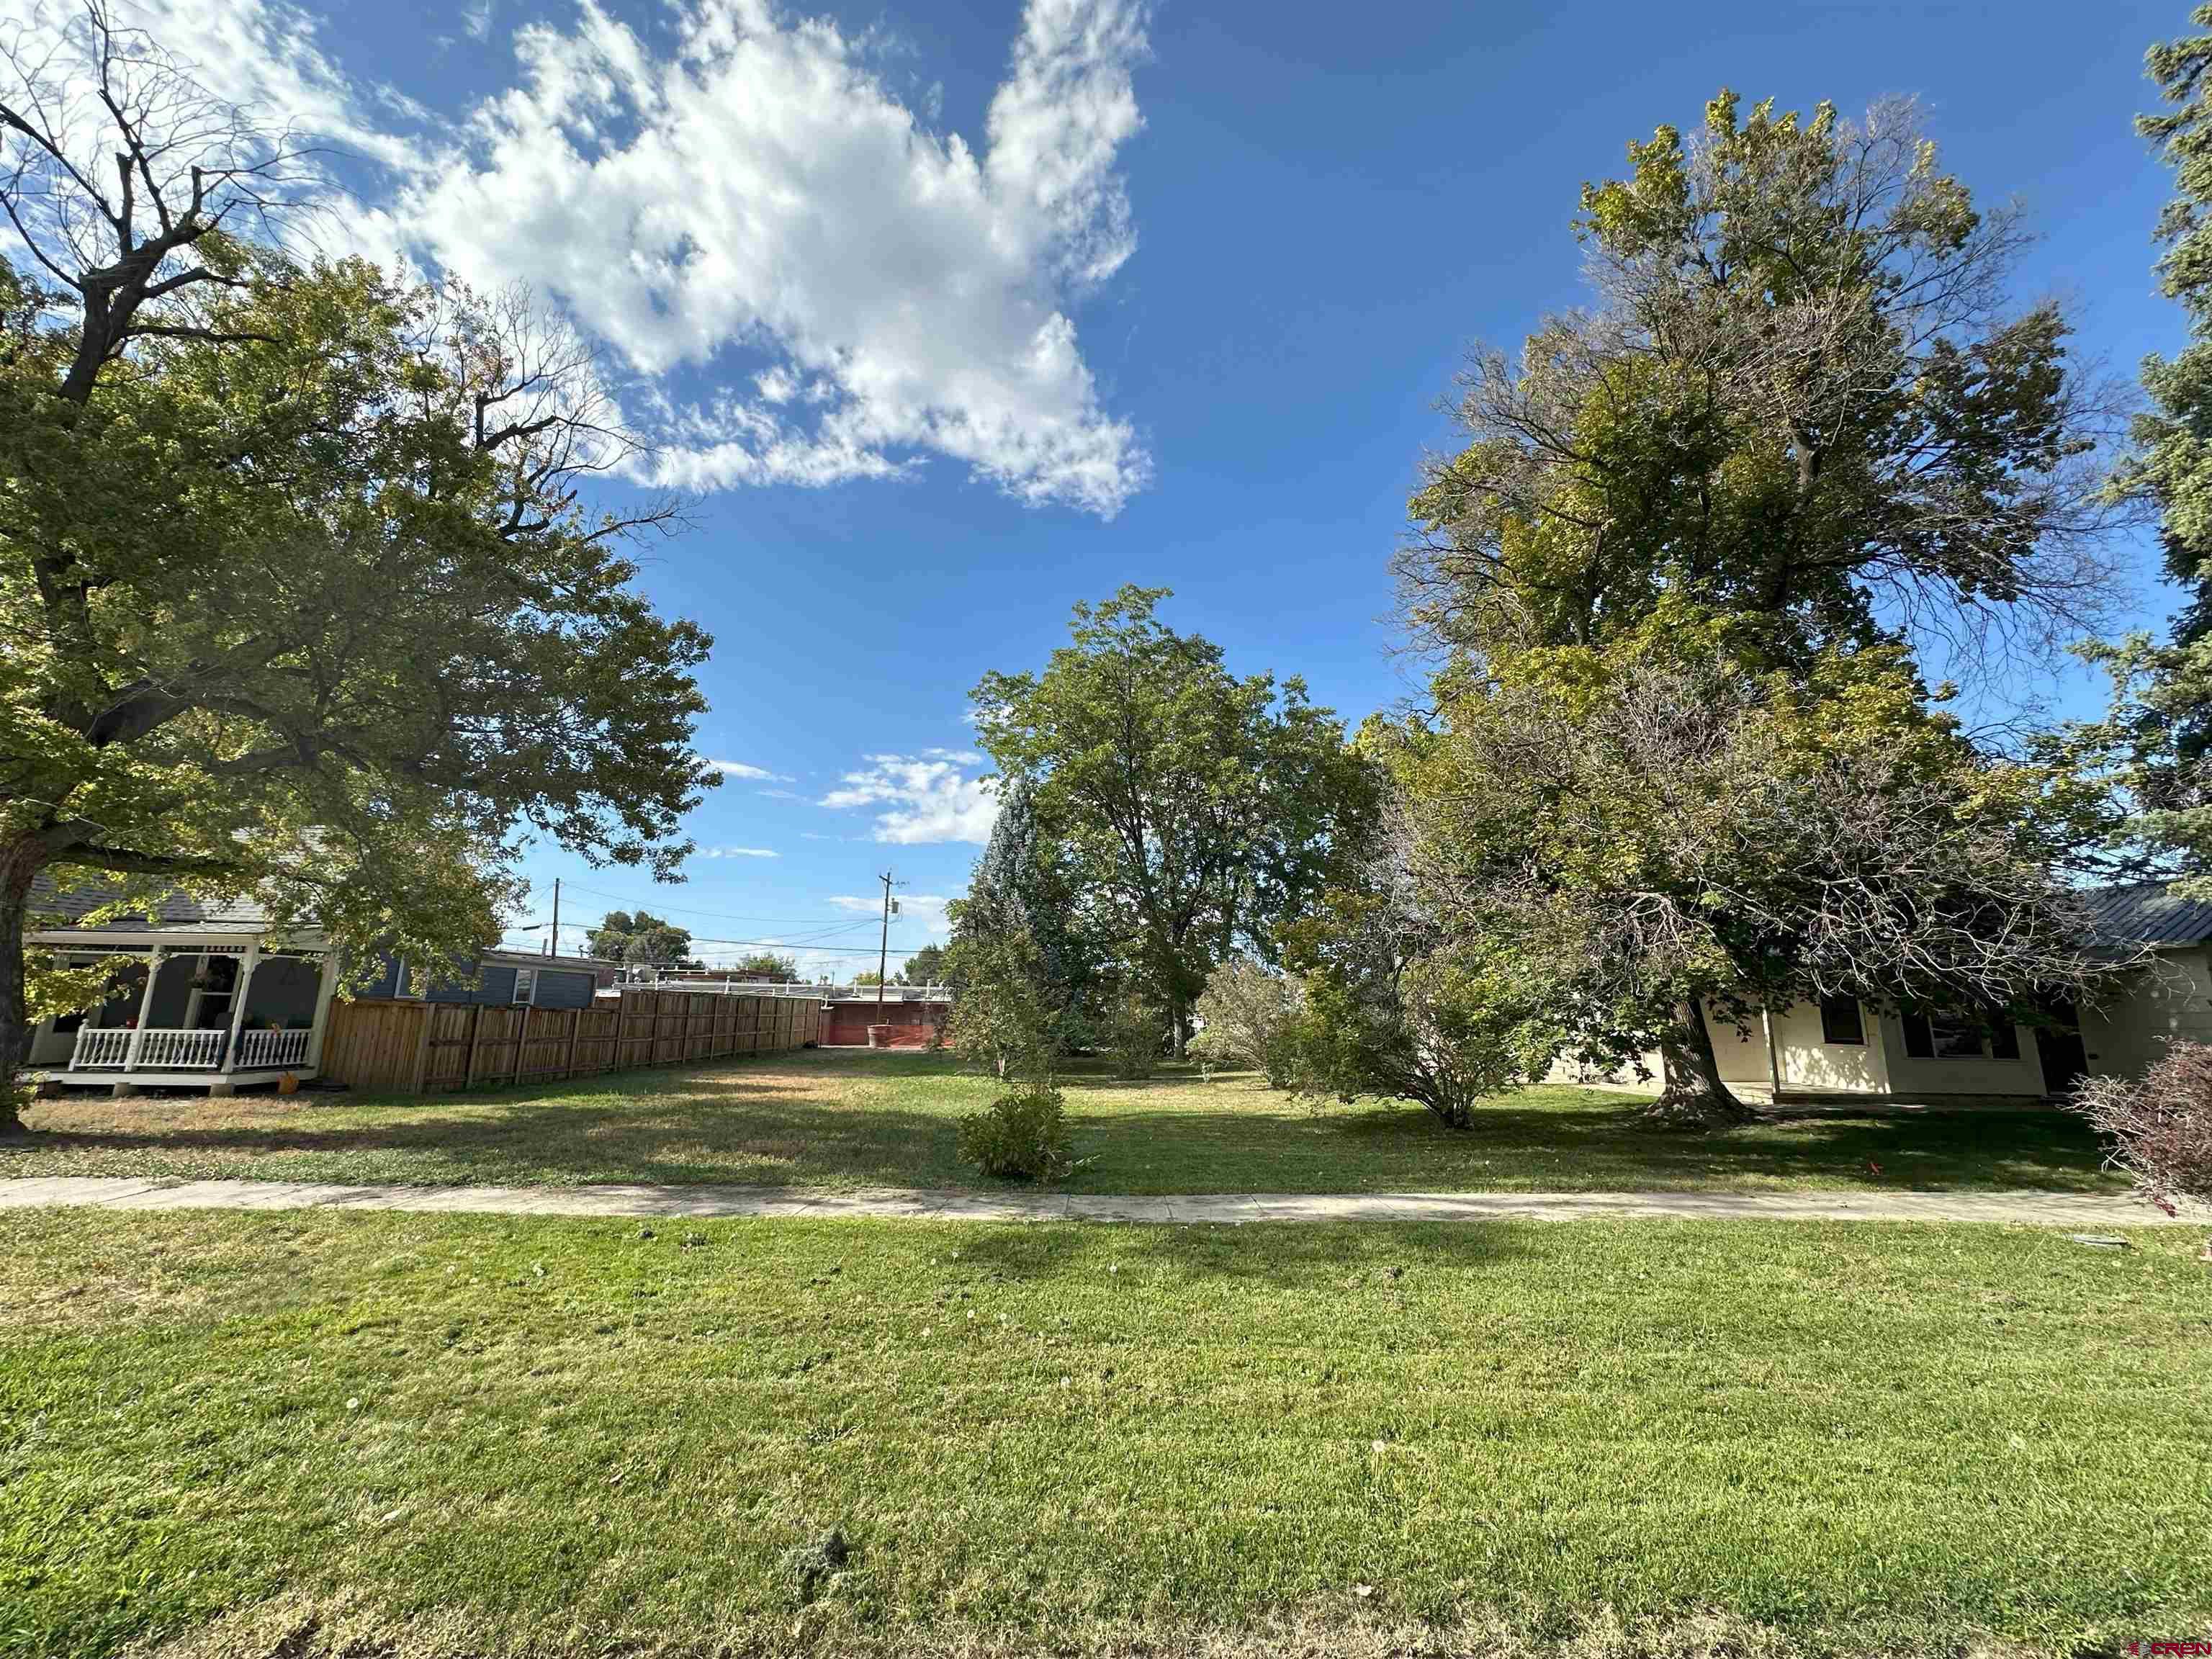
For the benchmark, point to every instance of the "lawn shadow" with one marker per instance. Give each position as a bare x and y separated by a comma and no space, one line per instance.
745,1132
1284,1255
1373,1148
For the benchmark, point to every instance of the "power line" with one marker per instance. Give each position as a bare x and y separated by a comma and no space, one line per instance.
655,907
792,945
803,941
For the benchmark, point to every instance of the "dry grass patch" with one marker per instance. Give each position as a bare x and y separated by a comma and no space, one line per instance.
837,1119
293,1627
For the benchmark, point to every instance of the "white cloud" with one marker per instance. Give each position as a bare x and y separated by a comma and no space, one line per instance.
757,189
923,797
809,280
262,56
730,769
736,853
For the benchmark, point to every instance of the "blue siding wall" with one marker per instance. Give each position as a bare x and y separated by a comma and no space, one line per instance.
497,984
463,989
493,982
558,990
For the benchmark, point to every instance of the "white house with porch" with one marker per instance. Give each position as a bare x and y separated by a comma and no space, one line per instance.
200,998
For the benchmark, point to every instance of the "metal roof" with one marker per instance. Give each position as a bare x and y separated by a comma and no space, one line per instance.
2147,913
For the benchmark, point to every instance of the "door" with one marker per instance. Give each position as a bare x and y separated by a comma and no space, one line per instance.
2065,1061
212,990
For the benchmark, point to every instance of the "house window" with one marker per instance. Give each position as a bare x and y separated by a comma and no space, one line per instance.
1841,1022
1951,1037
525,985
1956,1039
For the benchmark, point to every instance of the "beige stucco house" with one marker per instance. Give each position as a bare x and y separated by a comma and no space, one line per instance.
1842,1050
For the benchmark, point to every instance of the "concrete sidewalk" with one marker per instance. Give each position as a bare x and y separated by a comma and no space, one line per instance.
2083,1211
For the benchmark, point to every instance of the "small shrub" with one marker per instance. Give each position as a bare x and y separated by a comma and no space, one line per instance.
1131,1033
1007,1020
1248,1017
1019,1137
2161,1128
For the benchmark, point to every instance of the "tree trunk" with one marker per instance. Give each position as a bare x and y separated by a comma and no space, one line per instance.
1693,1097
18,864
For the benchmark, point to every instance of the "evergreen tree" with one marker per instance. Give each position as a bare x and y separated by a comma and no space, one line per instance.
2162,722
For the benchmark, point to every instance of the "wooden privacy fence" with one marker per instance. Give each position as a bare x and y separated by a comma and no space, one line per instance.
400,1046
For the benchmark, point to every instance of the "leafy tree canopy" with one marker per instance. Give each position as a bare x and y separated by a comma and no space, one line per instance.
640,939
1607,845
1801,397
297,594
762,966
924,966
1186,812
1680,754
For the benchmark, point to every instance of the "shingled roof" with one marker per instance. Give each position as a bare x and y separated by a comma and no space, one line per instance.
51,905
2148,912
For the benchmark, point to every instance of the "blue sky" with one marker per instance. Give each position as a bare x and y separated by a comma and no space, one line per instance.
952,314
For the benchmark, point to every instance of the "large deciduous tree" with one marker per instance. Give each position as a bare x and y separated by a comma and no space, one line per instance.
1189,811
1620,845
299,594
1801,440
1801,395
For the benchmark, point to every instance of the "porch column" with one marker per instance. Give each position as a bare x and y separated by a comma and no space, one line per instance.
324,988
244,984
145,1009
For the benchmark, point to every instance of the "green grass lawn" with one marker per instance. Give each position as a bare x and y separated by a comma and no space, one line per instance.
846,1119
294,1434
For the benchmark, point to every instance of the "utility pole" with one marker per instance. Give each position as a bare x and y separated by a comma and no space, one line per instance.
883,950
553,938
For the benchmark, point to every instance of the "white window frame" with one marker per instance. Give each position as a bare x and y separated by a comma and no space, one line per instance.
526,987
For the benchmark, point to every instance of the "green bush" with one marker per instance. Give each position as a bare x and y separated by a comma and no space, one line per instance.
1132,1033
1248,1017
1019,1137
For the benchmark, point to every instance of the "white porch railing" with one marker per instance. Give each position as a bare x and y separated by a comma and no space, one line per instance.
156,1048
108,1045
163,1049
261,1051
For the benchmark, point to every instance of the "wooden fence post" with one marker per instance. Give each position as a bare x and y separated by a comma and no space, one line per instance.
469,1066
423,1047
575,1031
